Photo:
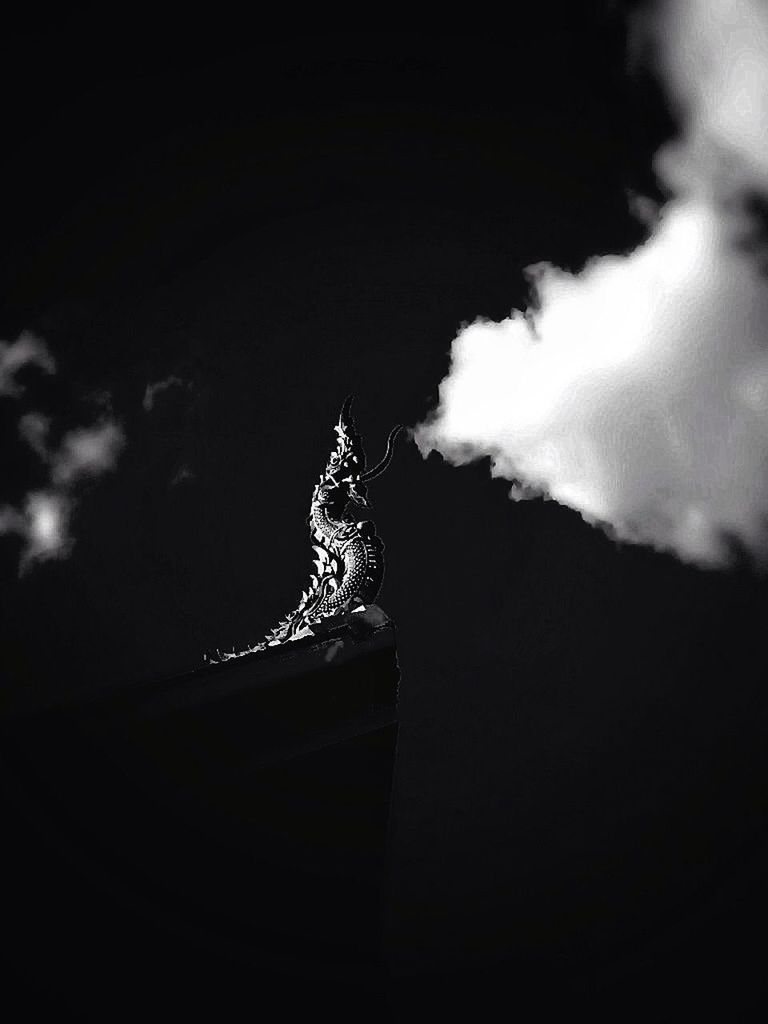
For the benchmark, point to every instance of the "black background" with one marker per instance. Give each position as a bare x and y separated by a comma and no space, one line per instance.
283,213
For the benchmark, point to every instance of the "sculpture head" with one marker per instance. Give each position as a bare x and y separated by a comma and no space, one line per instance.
345,478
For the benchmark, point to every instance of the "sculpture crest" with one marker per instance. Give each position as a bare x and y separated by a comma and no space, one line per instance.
349,563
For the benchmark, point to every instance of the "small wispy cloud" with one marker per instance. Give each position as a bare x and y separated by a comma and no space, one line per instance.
153,390
182,474
43,523
33,428
43,517
88,451
27,350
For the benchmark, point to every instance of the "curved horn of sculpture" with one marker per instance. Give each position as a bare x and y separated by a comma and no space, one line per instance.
384,464
346,409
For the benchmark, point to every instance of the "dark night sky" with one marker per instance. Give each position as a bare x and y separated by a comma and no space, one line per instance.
285,216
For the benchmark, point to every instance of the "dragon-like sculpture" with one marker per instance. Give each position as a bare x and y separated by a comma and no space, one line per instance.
350,556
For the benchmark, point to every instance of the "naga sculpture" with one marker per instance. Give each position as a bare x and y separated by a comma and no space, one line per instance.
350,556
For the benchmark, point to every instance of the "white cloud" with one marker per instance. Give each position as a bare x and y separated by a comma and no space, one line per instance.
636,391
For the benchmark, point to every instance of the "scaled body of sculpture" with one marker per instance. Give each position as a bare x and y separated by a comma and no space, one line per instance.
350,556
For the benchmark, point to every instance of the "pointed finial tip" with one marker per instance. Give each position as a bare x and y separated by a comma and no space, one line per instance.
346,408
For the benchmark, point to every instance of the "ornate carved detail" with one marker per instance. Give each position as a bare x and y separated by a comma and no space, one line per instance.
349,563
